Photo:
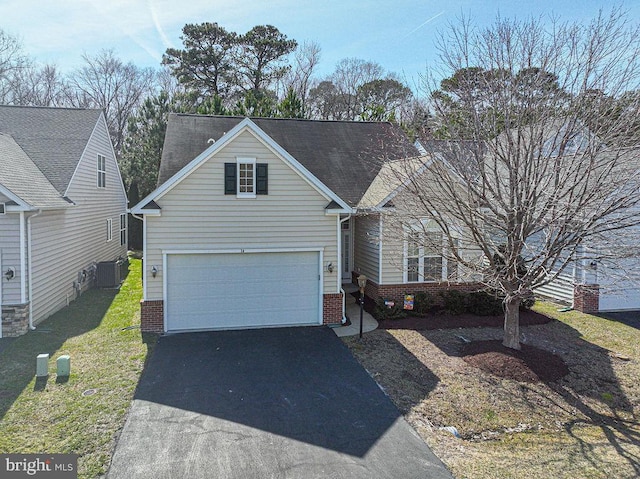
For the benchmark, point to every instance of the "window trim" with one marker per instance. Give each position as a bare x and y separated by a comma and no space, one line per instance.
422,255
239,163
101,174
109,229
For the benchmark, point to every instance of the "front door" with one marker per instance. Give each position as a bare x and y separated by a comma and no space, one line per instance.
346,252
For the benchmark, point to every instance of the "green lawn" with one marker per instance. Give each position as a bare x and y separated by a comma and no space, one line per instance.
53,415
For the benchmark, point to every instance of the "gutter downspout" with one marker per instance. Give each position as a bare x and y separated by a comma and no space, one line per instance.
144,253
23,259
344,298
29,260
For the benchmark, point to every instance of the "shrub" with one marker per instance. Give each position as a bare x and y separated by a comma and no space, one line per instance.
454,301
482,303
422,303
382,311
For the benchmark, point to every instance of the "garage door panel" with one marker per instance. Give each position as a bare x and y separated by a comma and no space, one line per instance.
223,291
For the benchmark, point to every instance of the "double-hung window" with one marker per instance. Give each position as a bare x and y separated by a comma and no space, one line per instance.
423,261
123,229
109,229
246,177
102,171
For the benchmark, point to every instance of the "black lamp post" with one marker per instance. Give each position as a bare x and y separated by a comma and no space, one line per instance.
362,283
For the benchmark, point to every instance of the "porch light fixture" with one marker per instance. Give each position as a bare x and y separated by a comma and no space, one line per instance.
330,267
154,271
10,274
362,284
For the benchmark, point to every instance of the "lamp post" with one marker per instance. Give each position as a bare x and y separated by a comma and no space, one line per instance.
362,283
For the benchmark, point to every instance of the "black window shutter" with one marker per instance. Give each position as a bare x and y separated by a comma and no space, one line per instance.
262,174
230,179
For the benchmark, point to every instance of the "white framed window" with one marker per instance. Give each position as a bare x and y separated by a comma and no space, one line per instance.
102,171
423,258
109,229
246,187
123,229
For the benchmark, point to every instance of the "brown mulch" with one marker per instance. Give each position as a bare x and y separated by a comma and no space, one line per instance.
529,364
450,321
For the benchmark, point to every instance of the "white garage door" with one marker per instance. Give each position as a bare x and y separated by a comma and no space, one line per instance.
248,290
619,300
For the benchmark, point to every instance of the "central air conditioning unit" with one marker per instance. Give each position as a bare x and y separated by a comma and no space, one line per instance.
109,274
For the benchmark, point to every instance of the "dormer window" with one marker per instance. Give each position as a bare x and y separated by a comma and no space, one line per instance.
102,171
245,178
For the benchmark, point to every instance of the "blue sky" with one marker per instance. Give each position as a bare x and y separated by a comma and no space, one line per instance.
398,34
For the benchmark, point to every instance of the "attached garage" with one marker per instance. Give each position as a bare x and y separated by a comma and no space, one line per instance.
242,290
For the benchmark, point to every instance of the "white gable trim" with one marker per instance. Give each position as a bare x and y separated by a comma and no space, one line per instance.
244,125
22,205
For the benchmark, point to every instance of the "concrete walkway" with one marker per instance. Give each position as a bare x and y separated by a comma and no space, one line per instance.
353,313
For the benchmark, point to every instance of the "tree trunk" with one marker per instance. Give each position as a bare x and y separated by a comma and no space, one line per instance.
512,322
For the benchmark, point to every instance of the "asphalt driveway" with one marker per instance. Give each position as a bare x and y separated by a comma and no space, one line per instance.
270,403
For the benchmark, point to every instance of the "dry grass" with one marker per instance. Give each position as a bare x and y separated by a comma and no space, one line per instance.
585,425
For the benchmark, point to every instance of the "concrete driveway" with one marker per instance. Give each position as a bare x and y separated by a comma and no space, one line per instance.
271,403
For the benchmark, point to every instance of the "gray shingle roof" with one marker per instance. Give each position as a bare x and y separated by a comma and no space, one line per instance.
345,156
53,138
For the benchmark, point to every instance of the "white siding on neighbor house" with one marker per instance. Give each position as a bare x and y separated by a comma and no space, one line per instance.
197,215
64,242
560,289
10,257
366,246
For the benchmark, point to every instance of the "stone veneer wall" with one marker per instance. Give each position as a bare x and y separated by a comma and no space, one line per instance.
15,320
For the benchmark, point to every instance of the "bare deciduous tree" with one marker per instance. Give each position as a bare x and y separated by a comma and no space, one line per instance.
106,82
543,177
12,62
300,77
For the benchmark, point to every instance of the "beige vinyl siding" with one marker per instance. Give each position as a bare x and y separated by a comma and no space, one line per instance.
64,242
392,253
197,215
366,259
10,257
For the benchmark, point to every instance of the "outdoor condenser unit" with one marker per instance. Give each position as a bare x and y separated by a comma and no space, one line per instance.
109,274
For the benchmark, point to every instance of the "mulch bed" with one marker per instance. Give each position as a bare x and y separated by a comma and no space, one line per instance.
529,364
442,320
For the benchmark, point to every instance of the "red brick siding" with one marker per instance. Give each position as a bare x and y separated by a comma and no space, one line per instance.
332,308
586,298
152,313
396,292
152,316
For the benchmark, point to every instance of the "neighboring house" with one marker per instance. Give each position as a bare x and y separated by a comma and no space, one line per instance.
62,209
252,222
